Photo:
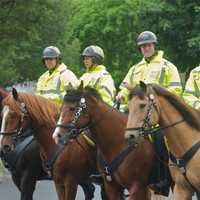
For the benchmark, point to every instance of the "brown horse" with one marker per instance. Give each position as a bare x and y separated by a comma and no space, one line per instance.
73,164
25,164
150,105
84,108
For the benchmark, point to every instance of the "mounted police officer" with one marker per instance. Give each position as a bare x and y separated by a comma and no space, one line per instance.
153,68
192,88
96,75
57,79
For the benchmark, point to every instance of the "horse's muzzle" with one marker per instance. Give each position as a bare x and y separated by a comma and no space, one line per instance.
57,138
134,137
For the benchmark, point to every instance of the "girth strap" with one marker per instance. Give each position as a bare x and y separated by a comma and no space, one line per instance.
51,159
64,140
183,161
109,168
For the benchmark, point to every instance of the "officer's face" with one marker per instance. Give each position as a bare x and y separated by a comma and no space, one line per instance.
50,63
147,49
87,61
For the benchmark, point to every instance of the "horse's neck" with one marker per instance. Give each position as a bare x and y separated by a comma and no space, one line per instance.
43,133
44,138
109,131
181,136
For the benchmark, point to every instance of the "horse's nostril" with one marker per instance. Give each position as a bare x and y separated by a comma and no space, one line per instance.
6,148
131,136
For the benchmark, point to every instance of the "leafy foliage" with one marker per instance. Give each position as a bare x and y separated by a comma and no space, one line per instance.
27,27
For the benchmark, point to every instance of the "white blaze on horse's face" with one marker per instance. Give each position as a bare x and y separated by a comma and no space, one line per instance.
57,130
5,112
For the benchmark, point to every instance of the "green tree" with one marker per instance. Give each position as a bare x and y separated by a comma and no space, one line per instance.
111,25
27,27
177,26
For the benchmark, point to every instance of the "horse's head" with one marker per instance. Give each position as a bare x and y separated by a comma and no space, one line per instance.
74,111
3,94
15,120
143,112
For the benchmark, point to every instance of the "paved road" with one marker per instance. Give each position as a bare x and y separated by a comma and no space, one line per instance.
44,191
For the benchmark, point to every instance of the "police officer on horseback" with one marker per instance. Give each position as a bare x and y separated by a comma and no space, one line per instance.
153,68
96,75
57,79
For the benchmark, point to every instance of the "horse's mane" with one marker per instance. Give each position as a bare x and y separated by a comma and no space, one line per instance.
75,95
39,108
189,114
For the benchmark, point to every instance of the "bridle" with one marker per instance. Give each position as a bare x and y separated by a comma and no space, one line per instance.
81,107
19,130
147,128
78,110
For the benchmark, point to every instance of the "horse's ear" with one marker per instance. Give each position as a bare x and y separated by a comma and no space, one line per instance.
81,85
15,94
143,86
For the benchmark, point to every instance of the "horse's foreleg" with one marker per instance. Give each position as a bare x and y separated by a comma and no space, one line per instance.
70,189
27,185
139,193
17,180
113,191
60,190
182,192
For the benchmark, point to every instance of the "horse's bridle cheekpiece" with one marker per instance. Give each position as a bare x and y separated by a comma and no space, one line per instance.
17,132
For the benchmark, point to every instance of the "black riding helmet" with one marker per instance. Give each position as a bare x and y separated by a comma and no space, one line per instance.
95,52
146,37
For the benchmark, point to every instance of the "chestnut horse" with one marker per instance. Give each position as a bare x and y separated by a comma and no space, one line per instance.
152,104
73,165
26,165
84,108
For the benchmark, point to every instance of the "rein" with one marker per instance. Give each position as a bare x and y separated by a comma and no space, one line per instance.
151,131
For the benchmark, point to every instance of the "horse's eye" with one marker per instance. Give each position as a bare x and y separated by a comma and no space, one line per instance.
72,109
142,105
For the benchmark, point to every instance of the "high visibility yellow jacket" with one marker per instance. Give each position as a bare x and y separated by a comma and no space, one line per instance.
54,85
99,78
158,70
192,88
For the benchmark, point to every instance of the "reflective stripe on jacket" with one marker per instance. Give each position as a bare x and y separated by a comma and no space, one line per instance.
99,78
53,86
192,88
158,70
